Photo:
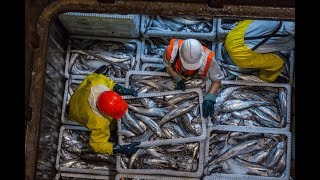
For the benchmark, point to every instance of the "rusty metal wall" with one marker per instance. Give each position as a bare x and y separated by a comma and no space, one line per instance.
54,82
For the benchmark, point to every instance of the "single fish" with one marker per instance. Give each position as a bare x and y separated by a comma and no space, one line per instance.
156,112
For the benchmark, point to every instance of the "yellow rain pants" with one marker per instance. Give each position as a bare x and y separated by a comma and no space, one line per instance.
81,112
270,65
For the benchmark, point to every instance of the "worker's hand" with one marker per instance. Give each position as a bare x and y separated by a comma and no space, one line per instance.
131,92
125,91
129,149
101,69
208,105
181,85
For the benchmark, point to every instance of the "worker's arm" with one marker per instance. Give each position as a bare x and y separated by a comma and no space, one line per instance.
215,74
179,80
215,86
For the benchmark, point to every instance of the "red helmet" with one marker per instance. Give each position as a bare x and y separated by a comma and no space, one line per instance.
110,103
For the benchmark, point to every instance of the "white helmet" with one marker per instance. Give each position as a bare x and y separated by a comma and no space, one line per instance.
190,53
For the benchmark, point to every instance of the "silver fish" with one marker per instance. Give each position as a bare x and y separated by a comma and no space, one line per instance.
258,169
131,124
157,112
153,125
176,113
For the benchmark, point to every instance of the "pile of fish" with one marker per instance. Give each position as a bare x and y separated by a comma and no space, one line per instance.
155,46
76,152
251,106
234,72
122,53
184,157
161,117
228,24
247,153
153,83
180,24
156,69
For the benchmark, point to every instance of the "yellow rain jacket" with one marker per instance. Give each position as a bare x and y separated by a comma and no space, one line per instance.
270,65
81,112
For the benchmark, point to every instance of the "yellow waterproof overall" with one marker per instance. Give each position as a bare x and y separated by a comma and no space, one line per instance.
270,65
81,112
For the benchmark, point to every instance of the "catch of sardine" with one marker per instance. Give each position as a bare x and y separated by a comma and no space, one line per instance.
182,157
154,83
122,53
179,24
162,117
155,46
234,72
76,152
255,106
247,153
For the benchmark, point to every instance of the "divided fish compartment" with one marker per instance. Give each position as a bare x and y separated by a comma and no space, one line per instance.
183,160
233,72
224,26
153,48
163,118
243,153
70,87
150,82
94,24
92,52
149,177
73,176
75,155
178,27
254,105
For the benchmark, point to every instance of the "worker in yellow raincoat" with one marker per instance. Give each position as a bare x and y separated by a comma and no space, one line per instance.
96,104
258,44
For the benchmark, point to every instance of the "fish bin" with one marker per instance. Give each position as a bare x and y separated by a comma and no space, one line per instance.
253,105
88,53
242,153
70,86
163,118
75,155
150,82
233,72
184,160
70,176
178,27
94,24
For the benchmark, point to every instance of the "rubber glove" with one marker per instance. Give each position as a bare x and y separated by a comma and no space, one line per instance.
180,83
208,105
125,91
129,149
101,69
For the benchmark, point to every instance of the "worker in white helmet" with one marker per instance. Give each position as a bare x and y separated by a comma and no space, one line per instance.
184,59
258,44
